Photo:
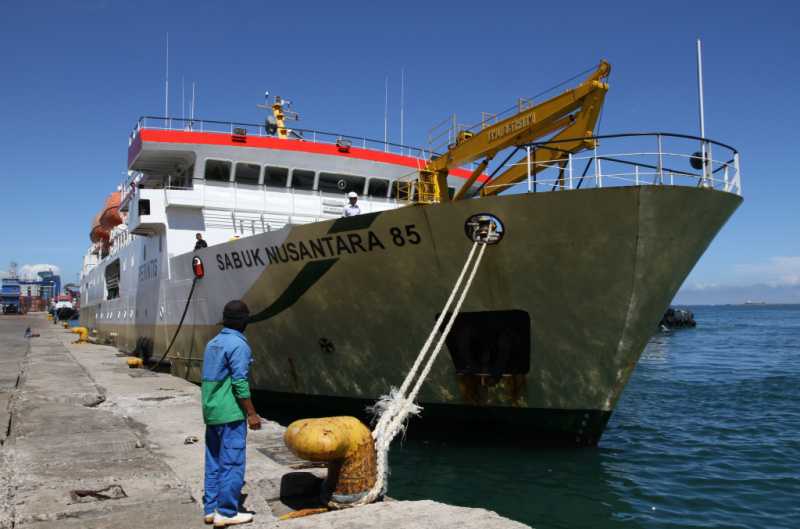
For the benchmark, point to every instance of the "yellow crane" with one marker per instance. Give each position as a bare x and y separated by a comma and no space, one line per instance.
571,115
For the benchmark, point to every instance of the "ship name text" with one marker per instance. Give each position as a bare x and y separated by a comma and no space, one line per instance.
148,270
327,247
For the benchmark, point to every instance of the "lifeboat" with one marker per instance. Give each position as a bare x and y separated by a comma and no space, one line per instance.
110,216
99,234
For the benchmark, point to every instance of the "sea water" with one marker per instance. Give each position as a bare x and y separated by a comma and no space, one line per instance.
706,434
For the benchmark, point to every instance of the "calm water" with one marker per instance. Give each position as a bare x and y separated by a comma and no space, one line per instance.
707,434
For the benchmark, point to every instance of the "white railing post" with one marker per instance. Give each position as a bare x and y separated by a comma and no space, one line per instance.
530,180
636,172
737,177
660,162
708,168
725,178
569,168
598,175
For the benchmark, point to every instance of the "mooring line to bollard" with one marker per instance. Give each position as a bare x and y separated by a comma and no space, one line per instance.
396,407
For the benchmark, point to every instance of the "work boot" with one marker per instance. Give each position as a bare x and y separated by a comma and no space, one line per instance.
225,521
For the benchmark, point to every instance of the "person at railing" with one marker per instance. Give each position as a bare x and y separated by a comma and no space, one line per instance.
352,209
200,244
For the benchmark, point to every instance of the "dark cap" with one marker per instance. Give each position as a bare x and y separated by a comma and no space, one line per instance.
235,314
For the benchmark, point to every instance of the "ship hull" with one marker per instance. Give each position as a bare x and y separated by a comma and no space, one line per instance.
549,335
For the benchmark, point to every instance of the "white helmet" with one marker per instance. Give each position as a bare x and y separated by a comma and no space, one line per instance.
352,194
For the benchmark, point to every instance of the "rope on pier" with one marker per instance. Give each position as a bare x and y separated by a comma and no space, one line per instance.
395,408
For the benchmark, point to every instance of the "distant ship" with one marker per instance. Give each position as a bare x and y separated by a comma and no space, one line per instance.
588,250
63,308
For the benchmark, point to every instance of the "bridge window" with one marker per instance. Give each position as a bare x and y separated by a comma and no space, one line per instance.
302,179
341,183
377,187
275,176
218,171
248,173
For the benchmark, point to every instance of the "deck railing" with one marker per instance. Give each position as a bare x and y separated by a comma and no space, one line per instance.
640,158
648,158
251,129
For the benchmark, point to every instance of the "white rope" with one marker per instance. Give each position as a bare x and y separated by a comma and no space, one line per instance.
396,407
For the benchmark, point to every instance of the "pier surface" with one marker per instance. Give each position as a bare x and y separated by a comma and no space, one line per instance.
88,443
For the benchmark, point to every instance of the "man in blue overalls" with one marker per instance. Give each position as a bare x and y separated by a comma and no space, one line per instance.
226,407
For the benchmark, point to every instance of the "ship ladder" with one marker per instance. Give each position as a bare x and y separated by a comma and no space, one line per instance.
393,410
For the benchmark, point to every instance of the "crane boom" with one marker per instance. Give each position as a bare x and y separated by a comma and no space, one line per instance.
571,114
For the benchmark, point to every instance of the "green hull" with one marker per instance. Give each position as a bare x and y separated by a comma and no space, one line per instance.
562,307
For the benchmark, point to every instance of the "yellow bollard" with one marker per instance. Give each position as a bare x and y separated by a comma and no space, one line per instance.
49,317
65,325
82,332
345,443
134,362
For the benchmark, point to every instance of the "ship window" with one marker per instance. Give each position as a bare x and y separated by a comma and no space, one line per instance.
275,176
218,170
247,173
378,187
302,179
340,183
112,279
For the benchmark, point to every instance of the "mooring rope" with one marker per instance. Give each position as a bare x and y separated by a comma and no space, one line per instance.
396,407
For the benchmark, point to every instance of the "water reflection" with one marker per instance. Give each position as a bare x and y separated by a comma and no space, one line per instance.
657,348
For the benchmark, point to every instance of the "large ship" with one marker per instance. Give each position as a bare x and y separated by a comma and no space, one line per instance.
591,236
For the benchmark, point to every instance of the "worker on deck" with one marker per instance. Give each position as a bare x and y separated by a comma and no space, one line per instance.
200,242
227,412
352,209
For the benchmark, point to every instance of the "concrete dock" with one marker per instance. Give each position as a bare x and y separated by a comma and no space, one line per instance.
89,443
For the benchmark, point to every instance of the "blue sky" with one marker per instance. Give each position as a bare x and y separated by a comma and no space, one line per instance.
76,76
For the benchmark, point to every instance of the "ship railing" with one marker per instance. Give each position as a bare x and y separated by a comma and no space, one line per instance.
343,141
650,158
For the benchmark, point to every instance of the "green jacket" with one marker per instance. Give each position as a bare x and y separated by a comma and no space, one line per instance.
226,366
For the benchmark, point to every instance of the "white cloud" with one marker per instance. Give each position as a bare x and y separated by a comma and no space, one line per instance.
776,272
775,280
31,271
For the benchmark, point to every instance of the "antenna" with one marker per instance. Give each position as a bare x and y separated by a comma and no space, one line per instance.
166,83
193,100
700,87
402,105
386,115
700,100
183,103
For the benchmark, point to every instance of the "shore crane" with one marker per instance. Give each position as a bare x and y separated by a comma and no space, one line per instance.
571,116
